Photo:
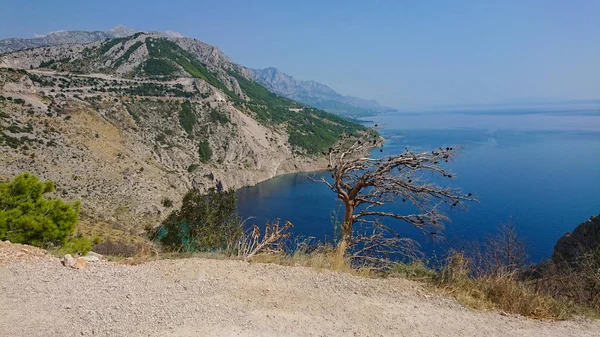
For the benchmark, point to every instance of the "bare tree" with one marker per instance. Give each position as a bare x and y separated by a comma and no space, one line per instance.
364,184
504,252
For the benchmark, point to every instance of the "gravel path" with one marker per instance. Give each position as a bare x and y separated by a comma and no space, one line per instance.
201,297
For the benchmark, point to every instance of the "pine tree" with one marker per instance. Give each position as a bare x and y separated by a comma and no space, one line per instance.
27,217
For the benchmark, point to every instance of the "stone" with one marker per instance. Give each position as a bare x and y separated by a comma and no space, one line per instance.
90,253
91,258
68,261
80,263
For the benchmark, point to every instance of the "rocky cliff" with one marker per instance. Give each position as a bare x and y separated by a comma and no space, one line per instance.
585,239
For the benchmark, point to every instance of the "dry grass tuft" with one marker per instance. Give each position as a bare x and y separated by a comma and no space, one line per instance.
325,257
500,292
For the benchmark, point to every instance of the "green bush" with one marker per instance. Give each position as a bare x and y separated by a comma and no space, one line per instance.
77,245
27,217
204,151
159,67
204,222
187,118
192,168
166,202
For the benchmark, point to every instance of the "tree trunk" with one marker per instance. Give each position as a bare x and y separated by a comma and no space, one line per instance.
344,242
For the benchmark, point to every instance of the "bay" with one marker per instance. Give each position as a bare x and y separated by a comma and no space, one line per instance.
540,169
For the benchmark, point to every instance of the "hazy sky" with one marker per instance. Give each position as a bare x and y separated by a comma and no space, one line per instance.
402,53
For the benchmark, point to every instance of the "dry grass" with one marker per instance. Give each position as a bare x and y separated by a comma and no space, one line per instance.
503,292
323,258
507,295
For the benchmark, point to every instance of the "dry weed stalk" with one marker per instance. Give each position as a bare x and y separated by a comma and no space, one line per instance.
271,242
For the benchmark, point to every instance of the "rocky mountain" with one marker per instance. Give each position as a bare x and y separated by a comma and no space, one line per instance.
130,124
307,92
316,94
71,37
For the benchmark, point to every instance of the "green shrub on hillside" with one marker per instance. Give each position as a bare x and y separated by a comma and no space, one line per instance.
162,48
187,118
128,53
217,116
77,245
158,67
106,46
204,222
27,217
204,151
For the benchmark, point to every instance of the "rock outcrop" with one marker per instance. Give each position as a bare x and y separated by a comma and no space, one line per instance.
585,239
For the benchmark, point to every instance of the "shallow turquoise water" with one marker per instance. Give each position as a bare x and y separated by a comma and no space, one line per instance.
541,170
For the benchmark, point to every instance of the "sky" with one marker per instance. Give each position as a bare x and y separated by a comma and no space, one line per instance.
404,54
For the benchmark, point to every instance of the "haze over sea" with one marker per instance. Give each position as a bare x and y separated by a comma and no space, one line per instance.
539,165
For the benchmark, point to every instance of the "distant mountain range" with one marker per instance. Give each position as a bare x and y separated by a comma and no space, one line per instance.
70,37
317,94
307,92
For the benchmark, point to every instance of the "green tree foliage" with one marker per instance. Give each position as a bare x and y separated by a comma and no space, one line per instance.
204,222
204,151
158,67
27,217
219,117
187,119
76,245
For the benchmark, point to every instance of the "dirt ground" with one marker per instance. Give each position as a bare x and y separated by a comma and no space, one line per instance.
204,297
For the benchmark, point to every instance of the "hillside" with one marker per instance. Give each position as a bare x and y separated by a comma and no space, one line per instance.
202,297
127,123
317,94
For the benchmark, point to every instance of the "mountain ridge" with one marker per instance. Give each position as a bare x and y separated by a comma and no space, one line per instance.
72,37
307,92
317,94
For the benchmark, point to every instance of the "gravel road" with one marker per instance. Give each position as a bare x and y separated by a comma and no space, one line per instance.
203,297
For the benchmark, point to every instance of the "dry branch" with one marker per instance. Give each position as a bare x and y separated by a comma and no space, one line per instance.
271,242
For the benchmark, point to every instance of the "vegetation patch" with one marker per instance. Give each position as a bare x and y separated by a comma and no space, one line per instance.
128,53
164,49
204,222
158,67
26,216
187,118
204,151
106,46
217,116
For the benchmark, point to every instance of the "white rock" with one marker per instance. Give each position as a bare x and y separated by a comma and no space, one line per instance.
68,261
90,253
91,258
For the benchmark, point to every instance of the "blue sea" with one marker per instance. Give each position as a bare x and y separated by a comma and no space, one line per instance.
539,168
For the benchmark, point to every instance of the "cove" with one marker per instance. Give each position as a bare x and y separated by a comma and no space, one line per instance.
542,170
